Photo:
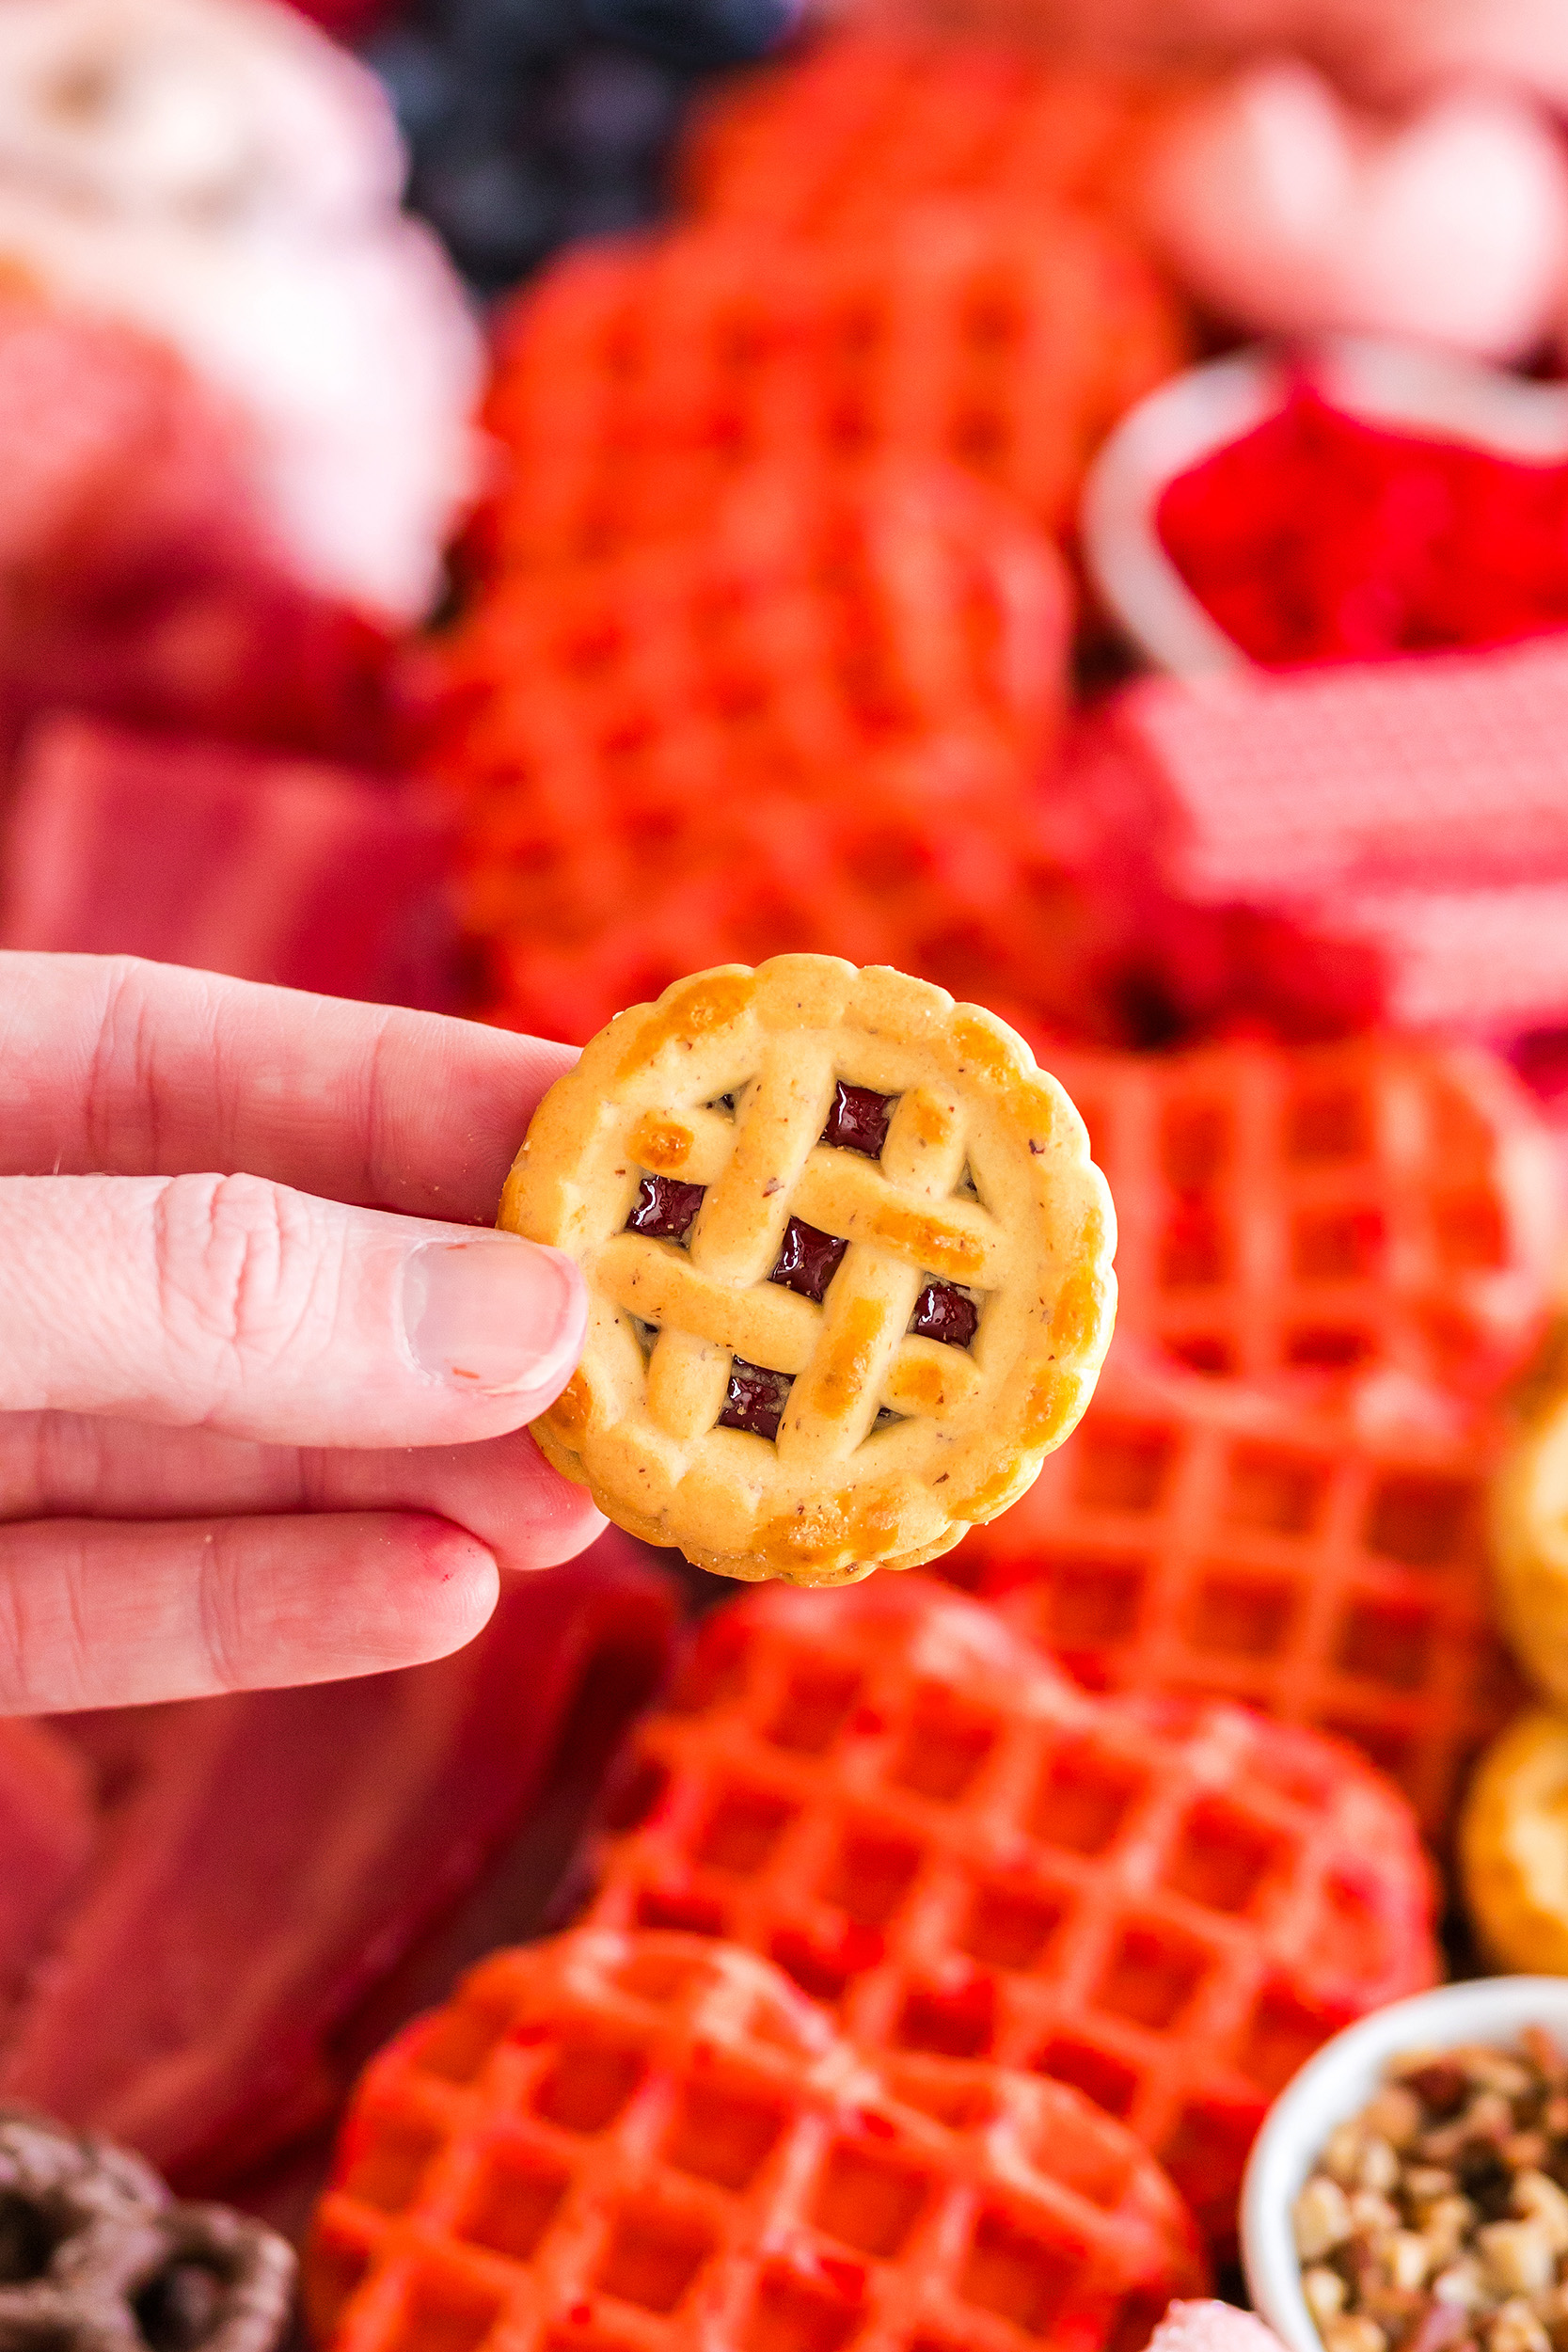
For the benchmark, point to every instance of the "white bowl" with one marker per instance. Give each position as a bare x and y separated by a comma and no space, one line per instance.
1188,419
1335,2084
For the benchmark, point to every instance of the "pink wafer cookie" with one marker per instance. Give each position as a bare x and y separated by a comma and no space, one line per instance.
1451,769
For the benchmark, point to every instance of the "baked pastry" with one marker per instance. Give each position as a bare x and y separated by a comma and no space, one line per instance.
850,1267
1511,1847
1529,1542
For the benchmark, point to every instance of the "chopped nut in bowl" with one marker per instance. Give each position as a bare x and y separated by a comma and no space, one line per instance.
1409,2189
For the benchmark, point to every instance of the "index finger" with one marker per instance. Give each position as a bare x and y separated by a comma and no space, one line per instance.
110,1064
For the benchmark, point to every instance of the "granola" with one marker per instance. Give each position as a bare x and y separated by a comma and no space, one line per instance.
1436,2220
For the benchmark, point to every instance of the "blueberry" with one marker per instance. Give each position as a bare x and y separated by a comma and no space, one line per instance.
608,207
498,211
696,32
611,109
497,36
419,80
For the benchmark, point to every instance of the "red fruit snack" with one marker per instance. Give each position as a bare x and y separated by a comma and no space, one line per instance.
1321,537
191,851
48,1828
811,726
137,576
276,1855
641,2139
867,123
1168,1903
1385,1206
1208,1536
636,377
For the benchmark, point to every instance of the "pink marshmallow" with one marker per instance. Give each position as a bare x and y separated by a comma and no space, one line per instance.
1212,2328
232,188
1283,209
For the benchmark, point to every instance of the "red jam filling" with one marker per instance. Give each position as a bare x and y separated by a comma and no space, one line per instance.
664,1208
1318,537
941,1312
808,1259
858,1120
754,1400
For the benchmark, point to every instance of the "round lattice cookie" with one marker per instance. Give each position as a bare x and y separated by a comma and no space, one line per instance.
848,1260
1530,1541
1511,1846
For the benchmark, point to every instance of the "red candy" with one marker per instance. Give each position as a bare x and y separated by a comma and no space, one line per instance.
276,1853
1318,537
137,579
264,866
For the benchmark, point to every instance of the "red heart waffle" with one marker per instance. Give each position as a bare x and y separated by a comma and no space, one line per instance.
868,123
638,376
1205,1536
898,1799
1386,1205
648,2143
812,727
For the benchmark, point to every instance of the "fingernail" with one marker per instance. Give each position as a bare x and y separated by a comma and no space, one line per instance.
494,1314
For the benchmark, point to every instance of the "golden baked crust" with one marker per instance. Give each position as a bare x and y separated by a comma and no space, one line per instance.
1514,1860
889,1444
1529,1542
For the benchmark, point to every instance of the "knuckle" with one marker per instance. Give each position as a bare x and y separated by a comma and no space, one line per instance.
242,1268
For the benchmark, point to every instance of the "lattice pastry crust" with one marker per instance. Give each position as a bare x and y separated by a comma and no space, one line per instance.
848,1261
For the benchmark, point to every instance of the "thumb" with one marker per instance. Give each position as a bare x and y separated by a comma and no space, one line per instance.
241,1306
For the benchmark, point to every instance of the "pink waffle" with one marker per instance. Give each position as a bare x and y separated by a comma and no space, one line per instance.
1205,1536
1386,1206
648,2143
1167,1903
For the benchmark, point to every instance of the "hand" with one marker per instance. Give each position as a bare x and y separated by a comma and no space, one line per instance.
251,1436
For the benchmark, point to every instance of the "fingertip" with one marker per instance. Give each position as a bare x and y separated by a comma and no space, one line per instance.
566,1524
446,1587
492,1315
